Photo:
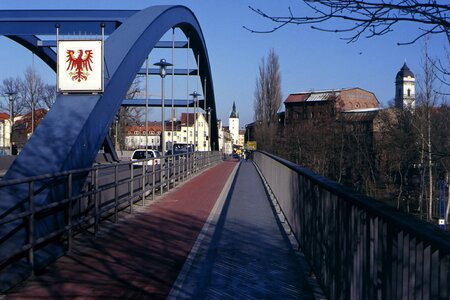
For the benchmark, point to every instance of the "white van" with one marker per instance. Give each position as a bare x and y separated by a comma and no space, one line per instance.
154,157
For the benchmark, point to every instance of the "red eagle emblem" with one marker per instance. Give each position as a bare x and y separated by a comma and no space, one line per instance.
79,66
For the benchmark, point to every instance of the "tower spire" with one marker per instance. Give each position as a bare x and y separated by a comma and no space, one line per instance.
234,113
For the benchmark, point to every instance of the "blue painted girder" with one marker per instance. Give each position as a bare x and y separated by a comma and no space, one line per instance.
157,102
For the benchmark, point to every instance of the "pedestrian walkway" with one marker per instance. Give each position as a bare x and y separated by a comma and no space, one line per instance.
213,237
244,253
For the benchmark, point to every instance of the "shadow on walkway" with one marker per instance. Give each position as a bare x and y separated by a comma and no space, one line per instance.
246,253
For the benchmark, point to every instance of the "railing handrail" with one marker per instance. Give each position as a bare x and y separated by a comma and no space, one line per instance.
169,172
358,247
403,220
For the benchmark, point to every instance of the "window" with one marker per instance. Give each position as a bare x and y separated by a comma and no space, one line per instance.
409,93
136,132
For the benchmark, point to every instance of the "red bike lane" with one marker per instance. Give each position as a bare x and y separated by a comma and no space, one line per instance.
140,257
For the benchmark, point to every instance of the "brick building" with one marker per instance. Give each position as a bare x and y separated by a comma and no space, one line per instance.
327,104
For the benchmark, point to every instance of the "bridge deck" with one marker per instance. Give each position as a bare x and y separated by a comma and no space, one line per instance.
241,252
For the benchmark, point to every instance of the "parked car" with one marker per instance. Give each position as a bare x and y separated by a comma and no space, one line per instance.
177,154
153,156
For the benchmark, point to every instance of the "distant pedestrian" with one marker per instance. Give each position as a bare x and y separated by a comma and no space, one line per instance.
14,149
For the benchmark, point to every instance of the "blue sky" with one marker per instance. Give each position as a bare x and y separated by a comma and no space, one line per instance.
309,59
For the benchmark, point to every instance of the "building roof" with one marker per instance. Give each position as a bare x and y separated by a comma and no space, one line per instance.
360,115
312,96
404,72
188,117
234,113
318,96
152,127
25,120
4,116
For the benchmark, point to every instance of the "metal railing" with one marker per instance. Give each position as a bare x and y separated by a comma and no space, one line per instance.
104,192
358,247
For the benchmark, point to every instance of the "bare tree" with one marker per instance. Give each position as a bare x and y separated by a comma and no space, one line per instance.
369,18
48,96
32,92
126,116
267,100
12,85
427,102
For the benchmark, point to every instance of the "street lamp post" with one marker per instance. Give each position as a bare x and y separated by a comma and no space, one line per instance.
11,118
195,96
162,64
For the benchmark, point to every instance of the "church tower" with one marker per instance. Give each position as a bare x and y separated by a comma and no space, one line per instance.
234,125
405,89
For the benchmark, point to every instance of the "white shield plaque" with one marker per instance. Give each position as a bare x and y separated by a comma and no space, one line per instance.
80,67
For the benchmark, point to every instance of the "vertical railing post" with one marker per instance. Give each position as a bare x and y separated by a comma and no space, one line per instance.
174,167
96,199
168,176
153,181
179,170
69,213
131,188
116,193
161,180
31,226
144,171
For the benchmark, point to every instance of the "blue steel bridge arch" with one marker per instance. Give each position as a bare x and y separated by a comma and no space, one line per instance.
73,131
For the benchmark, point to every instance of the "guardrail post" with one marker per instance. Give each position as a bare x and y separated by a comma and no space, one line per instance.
31,226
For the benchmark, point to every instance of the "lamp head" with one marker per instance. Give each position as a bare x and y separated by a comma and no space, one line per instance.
194,95
162,64
10,95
